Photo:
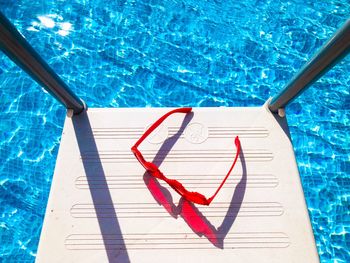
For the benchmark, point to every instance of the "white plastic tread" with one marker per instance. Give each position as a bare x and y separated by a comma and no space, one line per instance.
104,208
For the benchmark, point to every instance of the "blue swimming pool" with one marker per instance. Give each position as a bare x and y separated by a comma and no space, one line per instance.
153,53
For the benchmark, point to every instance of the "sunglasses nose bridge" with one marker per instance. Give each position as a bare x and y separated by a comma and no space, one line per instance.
158,174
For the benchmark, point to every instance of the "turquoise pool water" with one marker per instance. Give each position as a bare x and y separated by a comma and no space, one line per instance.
153,53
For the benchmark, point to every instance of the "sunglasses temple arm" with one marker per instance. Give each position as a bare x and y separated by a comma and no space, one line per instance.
238,146
159,122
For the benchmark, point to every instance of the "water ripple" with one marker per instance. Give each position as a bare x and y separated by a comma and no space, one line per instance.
174,53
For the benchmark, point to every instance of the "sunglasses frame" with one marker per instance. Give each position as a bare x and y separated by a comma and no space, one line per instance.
193,197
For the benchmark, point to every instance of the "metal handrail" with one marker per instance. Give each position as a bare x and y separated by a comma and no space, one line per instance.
329,55
13,44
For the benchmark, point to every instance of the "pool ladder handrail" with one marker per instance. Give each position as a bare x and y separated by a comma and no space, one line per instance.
336,48
13,44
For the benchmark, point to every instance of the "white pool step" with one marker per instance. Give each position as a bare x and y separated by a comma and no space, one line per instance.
104,208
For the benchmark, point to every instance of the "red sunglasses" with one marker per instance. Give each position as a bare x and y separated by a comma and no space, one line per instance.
194,197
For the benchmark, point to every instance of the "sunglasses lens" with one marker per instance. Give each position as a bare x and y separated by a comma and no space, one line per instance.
193,197
198,198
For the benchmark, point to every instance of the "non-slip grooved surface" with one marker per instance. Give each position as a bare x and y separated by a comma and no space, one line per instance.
197,181
179,241
214,132
152,210
104,207
179,156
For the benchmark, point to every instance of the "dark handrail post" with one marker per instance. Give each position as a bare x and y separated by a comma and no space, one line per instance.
13,44
331,53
